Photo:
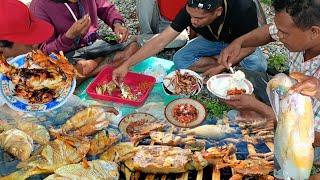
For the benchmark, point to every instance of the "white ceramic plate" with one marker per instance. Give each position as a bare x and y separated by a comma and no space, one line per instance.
221,83
21,104
169,88
137,119
202,112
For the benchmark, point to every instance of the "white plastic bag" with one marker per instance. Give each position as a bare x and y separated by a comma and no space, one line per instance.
157,72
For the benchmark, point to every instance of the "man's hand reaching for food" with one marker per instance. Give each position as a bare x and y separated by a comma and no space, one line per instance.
121,32
119,74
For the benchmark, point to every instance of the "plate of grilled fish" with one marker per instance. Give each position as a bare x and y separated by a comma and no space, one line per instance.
182,82
36,81
140,124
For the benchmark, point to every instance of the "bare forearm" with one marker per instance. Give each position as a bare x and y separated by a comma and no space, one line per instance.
153,47
266,111
244,53
256,38
316,139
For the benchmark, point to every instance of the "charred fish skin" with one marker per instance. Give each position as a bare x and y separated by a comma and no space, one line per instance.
295,129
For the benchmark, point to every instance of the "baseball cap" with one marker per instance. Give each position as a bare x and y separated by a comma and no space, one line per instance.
18,25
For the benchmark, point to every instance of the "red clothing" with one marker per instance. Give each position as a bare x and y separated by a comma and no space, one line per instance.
170,8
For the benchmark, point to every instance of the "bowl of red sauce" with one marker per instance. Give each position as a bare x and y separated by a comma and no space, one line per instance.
185,112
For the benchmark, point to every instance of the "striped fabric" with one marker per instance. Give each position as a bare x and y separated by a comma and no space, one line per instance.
310,68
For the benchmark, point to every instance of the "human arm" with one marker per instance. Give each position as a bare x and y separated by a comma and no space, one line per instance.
107,12
307,85
151,48
244,52
255,38
59,41
316,139
245,102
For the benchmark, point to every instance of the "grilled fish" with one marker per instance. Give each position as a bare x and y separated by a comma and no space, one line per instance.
295,129
216,132
35,131
98,169
17,143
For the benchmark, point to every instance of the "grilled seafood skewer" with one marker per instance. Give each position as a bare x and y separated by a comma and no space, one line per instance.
17,143
35,131
97,169
101,141
216,132
86,122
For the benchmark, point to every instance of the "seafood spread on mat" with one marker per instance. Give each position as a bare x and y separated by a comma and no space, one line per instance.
84,144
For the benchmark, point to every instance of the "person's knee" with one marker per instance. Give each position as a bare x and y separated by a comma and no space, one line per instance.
179,60
255,62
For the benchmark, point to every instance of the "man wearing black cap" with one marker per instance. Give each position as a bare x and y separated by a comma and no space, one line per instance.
218,22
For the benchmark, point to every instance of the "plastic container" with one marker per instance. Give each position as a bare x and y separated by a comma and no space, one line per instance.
132,80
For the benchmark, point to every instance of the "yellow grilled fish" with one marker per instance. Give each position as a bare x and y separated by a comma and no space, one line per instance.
295,129
17,143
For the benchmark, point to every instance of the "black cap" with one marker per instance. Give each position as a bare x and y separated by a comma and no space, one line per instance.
202,4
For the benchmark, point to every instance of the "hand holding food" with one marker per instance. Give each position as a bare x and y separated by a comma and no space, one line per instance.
243,101
229,54
307,85
122,32
119,74
79,28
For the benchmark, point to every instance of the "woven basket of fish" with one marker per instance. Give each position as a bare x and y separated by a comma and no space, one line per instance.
79,142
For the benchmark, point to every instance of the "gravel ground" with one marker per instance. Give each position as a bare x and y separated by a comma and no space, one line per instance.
128,10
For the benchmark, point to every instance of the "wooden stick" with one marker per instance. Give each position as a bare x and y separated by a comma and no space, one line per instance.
183,176
136,175
164,177
215,173
199,175
251,148
127,173
233,157
150,177
270,145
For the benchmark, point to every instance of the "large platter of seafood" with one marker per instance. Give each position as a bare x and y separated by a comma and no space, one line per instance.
133,91
36,82
182,82
224,85
185,112
85,145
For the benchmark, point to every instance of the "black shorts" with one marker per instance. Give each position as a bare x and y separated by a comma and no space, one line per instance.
99,48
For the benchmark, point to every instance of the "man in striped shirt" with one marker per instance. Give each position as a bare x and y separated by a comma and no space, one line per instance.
297,26
299,30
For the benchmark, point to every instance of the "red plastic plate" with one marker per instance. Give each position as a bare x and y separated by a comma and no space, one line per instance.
132,79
